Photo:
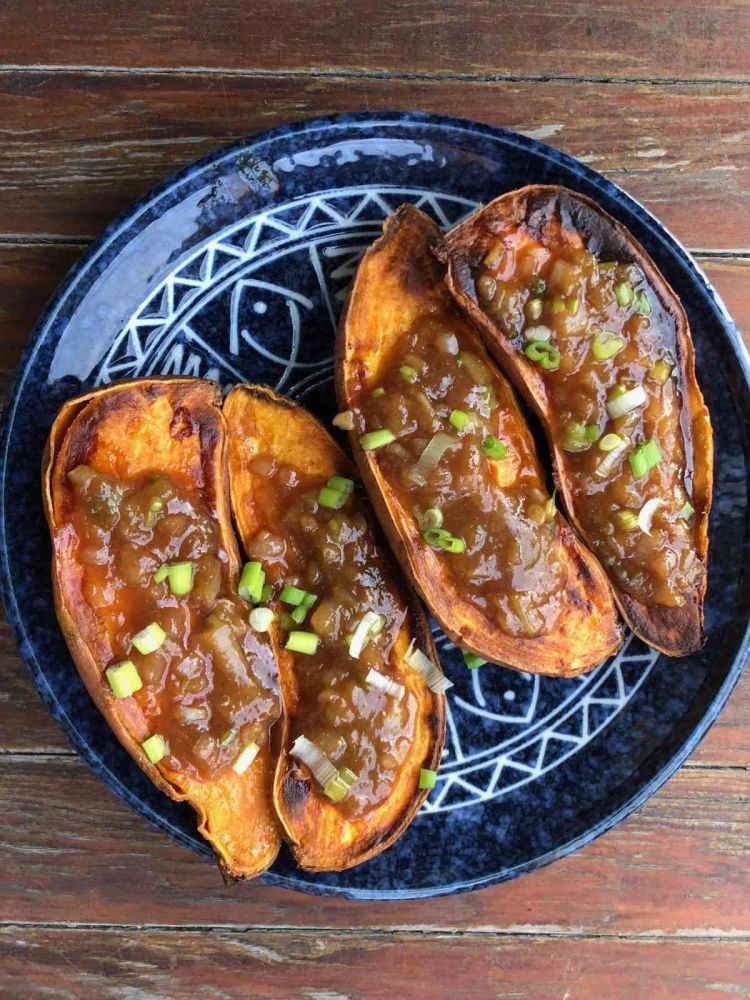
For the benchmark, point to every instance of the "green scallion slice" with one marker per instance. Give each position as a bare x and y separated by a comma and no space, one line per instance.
336,789
494,448
572,304
181,578
408,374
439,538
642,305
610,441
299,614
161,574
660,372
155,508
624,293
333,499
267,593
251,583
341,483
344,420
646,457
558,304
605,346
292,595
302,642
155,748
686,510
459,419
124,679
229,737
377,439
627,519
427,778
149,638
543,353
471,660
245,758
377,393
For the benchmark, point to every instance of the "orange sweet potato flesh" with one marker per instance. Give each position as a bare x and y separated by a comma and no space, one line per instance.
543,209
321,837
128,429
399,280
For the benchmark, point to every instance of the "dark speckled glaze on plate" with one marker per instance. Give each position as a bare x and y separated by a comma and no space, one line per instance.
236,269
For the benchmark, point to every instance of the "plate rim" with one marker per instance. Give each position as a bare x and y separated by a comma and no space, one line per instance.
131,214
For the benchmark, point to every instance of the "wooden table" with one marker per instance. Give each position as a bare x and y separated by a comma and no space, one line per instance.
98,101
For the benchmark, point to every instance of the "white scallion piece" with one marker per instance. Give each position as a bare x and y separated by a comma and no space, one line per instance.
646,514
435,679
540,332
385,684
306,751
611,460
430,457
363,633
245,758
626,402
260,619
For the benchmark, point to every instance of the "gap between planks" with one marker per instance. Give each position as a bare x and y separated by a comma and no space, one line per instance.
320,72
419,931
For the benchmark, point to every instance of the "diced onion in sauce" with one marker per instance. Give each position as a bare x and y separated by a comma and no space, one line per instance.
626,401
306,751
435,679
383,683
430,457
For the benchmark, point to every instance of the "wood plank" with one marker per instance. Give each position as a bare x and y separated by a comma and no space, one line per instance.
110,964
556,37
79,148
29,274
678,866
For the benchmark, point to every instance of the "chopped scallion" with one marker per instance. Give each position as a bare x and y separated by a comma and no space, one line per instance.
610,441
471,660
432,518
161,574
439,538
299,614
604,346
642,305
627,519
624,293
267,593
686,510
245,758
344,420
377,439
149,638
647,456
292,595
251,583
155,748
302,642
427,778
408,374
377,393
660,372
181,578
333,499
260,619
494,448
543,353
124,679
533,308
459,419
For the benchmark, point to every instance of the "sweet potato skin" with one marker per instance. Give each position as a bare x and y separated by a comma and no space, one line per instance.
320,836
675,631
398,280
126,429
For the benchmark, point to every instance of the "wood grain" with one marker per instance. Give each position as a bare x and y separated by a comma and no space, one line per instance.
80,148
232,965
535,38
676,867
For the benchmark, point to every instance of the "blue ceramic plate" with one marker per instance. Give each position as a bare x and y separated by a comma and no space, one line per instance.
236,270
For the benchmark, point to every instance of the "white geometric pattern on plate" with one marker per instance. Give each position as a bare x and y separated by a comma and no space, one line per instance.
504,728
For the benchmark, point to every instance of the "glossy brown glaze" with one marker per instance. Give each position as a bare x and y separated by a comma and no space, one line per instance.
135,478
513,586
599,344
280,459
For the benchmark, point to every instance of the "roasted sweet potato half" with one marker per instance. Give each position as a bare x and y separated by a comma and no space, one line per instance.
145,575
577,314
453,473
360,686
